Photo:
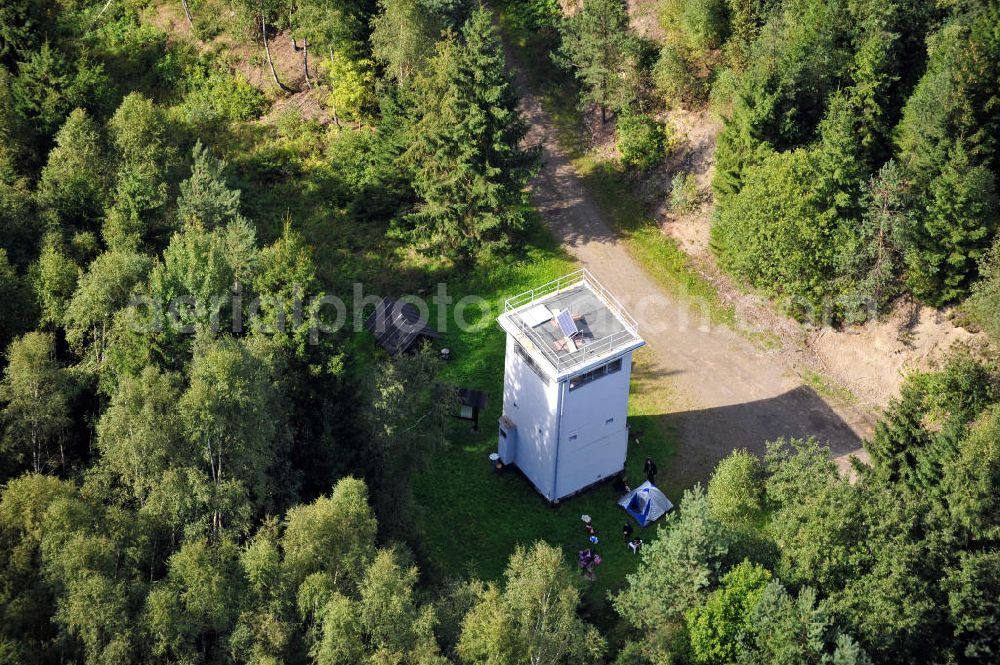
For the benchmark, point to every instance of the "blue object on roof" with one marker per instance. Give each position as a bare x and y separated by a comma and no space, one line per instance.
646,503
566,323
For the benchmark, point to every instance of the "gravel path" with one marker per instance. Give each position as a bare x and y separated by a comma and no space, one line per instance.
725,393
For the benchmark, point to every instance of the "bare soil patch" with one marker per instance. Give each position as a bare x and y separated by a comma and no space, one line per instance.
645,20
247,57
170,19
643,16
872,360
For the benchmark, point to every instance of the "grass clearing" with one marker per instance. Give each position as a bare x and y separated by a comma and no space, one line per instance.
826,388
471,517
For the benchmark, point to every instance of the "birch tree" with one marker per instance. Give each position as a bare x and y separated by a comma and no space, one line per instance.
258,15
533,618
229,413
37,392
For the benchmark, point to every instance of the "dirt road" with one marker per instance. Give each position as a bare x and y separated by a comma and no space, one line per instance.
728,394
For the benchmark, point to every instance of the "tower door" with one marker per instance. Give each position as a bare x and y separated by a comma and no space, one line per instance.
507,440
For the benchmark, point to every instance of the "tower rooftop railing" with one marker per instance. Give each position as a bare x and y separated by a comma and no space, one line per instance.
624,334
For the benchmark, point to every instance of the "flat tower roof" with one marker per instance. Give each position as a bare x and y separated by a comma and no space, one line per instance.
596,328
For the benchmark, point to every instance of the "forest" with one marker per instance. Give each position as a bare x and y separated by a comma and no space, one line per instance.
235,478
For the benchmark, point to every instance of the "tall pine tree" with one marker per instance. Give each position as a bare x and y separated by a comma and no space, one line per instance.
595,44
470,171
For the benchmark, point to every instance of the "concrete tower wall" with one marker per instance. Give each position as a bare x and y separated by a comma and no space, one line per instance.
593,438
532,404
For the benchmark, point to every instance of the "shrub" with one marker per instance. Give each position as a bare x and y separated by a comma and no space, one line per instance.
684,195
633,653
49,85
237,99
675,79
641,141
697,24
775,233
226,94
736,490
718,627
532,15
351,95
984,304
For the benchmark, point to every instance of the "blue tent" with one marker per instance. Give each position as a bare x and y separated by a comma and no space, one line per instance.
646,503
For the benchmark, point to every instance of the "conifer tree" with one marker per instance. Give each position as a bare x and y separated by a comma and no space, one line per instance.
677,567
870,257
957,96
595,43
18,312
19,225
205,196
138,131
75,180
921,430
962,215
471,172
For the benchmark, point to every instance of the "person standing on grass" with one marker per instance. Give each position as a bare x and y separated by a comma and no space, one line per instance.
650,469
627,532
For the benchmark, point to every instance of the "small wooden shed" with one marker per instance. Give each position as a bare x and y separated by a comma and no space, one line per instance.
398,325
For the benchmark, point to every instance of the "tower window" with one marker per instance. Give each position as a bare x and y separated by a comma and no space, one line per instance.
530,362
594,374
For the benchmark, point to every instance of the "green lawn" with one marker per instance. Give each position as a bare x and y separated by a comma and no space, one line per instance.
471,517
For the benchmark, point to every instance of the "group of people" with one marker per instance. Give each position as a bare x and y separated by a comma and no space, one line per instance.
588,559
649,468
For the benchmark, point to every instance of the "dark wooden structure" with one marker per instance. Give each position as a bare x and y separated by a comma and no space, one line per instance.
398,326
471,402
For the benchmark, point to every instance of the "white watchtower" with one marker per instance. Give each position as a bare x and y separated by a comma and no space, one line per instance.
566,382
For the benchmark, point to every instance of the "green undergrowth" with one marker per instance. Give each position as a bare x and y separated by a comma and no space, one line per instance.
827,388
